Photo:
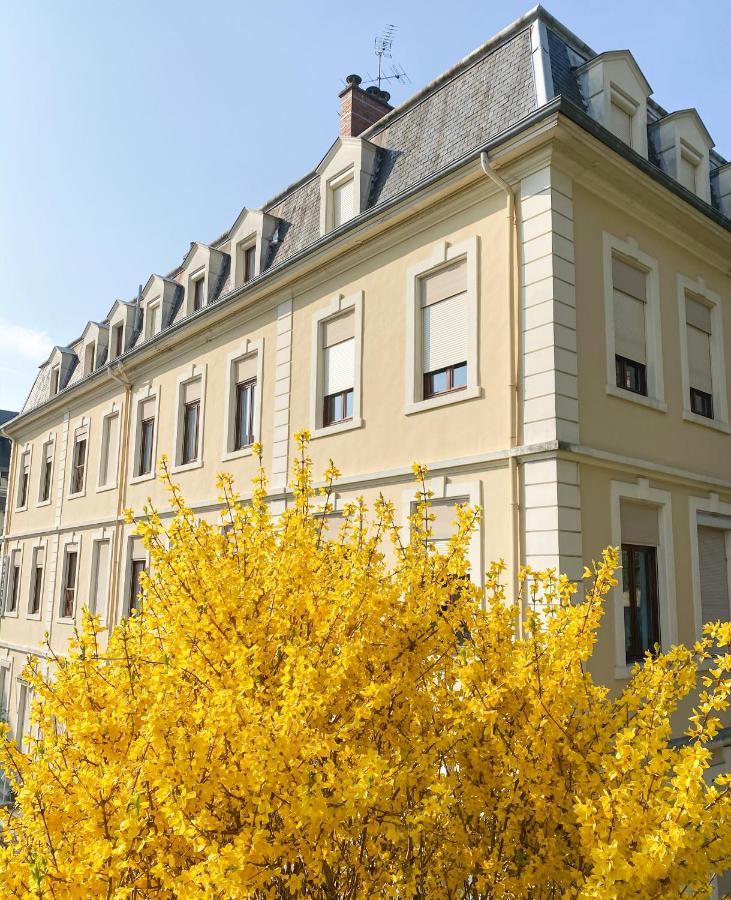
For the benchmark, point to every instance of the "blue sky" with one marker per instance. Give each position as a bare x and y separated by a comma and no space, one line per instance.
129,129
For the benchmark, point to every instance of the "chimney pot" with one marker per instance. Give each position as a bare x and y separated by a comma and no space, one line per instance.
354,79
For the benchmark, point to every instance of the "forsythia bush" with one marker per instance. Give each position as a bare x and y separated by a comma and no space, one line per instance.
304,713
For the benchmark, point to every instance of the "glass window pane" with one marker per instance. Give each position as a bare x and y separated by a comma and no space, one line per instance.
459,378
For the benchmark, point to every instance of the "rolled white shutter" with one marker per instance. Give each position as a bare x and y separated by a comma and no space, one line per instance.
639,524
343,203
713,565
699,360
687,174
629,327
245,369
339,365
621,123
192,390
444,327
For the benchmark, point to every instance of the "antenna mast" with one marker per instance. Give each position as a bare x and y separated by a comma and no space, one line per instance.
382,48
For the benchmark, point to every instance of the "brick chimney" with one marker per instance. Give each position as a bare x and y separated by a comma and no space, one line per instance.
360,108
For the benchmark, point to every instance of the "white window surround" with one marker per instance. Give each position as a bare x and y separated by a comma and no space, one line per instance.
25,457
194,372
444,488
348,156
336,307
642,492
69,543
112,465
11,550
40,544
100,536
80,433
696,287
51,439
679,136
7,665
147,392
247,348
713,512
153,312
200,274
442,252
629,249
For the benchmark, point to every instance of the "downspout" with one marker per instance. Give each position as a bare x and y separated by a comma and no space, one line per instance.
514,337
121,489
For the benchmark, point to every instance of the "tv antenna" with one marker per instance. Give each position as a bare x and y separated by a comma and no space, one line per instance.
382,48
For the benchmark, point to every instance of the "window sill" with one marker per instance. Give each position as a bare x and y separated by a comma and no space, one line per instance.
10,615
623,673
102,488
43,503
337,428
187,467
21,508
714,424
140,479
65,620
76,495
446,399
639,399
229,455
34,617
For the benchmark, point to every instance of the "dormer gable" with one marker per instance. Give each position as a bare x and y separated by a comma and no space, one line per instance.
93,346
61,364
250,239
121,323
615,92
346,174
158,301
683,145
201,273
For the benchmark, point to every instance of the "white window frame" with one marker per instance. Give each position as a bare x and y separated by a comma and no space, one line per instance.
101,536
26,453
51,439
113,412
194,372
343,177
708,511
441,254
444,488
87,345
113,339
147,392
70,543
336,307
630,250
641,492
154,306
41,544
7,664
11,550
200,274
245,350
80,432
55,376
242,245
127,574
697,287
629,106
18,733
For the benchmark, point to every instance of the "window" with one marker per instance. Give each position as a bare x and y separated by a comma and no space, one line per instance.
99,576
338,365
688,171
152,322
44,493
620,122
23,480
698,335
191,418
713,564
198,286
11,605
4,691
36,583
70,574
109,450
245,386
147,436
138,565
630,296
23,720
249,262
78,465
55,380
443,515
342,194
89,358
444,329
640,539
118,339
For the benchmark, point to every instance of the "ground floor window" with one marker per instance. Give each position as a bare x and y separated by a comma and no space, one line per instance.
641,609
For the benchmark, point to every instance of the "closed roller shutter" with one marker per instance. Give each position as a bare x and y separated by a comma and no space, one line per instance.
713,565
338,354
630,296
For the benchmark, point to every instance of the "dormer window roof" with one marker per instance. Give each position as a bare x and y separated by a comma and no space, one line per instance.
93,346
121,322
158,303
201,276
61,363
682,146
615,92
346,174
250,239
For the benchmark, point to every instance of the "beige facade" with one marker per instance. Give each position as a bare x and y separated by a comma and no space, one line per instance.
532,223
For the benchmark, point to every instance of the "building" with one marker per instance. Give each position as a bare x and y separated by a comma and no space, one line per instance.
5,416
521,273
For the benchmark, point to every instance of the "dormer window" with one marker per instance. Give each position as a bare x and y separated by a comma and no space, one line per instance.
688,168
89,358
198,287
55,380
683,146
117,340
342,199
249,262
152,320
622,111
